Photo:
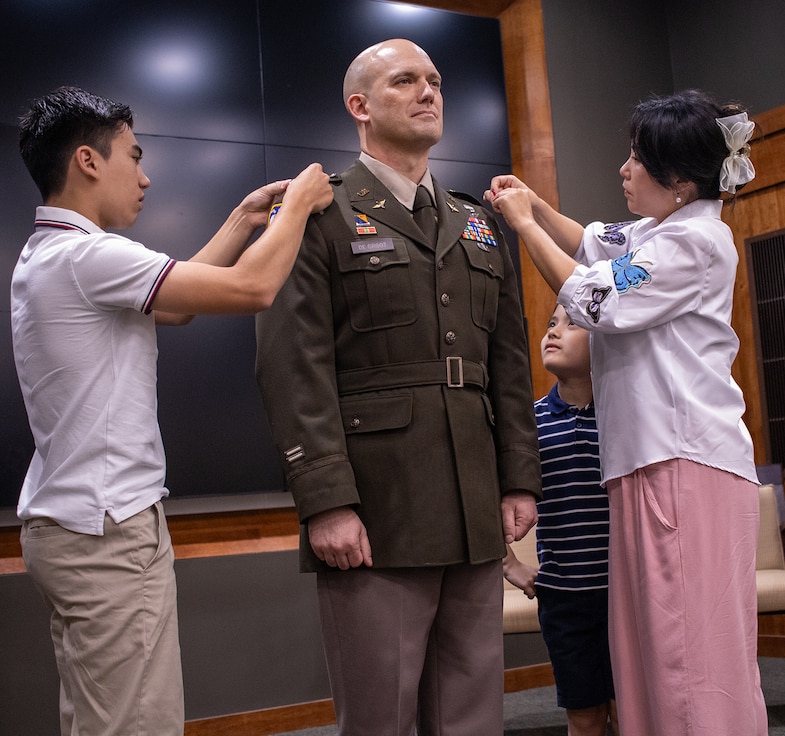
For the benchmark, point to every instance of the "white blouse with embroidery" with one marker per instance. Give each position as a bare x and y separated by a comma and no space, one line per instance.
657,298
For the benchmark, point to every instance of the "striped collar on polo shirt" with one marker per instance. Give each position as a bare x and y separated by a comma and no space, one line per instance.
60,225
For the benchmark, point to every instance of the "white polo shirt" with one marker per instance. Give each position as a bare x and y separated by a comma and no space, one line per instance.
86,355
657,298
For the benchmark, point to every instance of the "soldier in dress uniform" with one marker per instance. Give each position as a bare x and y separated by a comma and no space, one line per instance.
394,370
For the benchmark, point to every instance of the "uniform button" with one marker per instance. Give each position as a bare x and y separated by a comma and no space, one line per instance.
445,299
374,260
355,422
450,337
440,265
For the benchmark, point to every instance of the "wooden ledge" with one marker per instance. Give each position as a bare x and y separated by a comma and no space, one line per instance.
322,713
265,722
233,533
198,535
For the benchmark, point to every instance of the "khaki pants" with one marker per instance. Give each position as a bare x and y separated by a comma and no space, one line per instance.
113,624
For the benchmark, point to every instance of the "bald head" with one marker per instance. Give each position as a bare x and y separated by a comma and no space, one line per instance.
369,64
393,92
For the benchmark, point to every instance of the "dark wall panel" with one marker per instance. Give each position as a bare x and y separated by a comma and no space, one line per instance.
194,186
18,196
733,50
602,59
226,97
186,69
305,89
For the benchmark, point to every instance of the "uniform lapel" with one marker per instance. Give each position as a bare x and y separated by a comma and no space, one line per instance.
370,197
452,220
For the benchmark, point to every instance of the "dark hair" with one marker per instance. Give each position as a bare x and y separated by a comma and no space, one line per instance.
678,137
58,123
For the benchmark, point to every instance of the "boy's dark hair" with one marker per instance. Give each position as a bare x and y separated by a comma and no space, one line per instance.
678,137
58,123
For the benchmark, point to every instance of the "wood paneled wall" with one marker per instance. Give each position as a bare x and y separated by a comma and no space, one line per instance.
759,209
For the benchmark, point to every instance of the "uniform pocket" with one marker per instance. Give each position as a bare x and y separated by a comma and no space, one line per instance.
377,284
486,272
376,413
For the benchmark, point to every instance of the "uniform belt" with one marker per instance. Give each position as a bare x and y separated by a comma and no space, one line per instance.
453,372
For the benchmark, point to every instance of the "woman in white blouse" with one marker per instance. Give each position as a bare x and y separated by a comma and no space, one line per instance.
656,294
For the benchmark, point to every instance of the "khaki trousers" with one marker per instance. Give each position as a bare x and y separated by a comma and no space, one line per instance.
113,624
416,645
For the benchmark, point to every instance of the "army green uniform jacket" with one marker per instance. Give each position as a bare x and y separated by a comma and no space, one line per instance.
396,377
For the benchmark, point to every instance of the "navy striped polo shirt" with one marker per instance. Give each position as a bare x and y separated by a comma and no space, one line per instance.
572,530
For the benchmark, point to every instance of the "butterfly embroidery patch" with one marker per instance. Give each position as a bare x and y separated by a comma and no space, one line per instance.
613,235
627,274
597,298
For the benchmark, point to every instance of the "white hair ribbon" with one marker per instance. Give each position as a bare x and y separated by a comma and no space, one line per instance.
737,168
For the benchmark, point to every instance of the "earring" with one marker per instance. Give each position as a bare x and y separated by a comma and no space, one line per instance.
678,200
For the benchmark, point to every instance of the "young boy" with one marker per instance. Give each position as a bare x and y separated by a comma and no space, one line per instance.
572,536
84,304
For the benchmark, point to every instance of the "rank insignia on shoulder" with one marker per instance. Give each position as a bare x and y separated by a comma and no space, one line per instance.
478,230
363,225
273,212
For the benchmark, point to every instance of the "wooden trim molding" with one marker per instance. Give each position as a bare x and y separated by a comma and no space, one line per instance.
771,635
524,678
532,148
198,535
10,551
322,713
265,722
485,8
758,208
232,533
768,152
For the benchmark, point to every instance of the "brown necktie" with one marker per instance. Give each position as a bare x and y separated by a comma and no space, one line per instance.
424,213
